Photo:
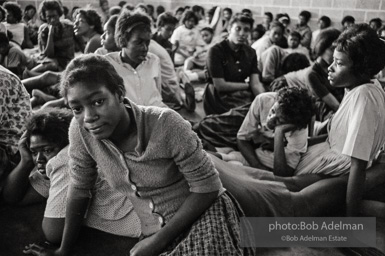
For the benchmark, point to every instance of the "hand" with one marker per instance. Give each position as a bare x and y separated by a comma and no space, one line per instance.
286,127
25,154
35,249
147,247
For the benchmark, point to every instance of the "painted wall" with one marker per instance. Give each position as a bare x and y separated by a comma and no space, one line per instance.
362,10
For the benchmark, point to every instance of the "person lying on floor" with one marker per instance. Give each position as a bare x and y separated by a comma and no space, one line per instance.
275,130
43,174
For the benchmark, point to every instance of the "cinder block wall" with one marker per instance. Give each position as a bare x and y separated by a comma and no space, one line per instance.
362,10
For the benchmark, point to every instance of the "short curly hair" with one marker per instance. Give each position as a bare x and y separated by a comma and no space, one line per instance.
91,69
136,21
364,49
296,106
15,9
54,5
93,19
52,124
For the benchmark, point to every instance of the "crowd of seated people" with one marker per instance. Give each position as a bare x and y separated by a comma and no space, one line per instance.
91,121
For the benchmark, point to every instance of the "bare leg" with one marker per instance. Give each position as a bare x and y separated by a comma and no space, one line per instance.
41,81
39,98
328,195
297,183
45,67
188,64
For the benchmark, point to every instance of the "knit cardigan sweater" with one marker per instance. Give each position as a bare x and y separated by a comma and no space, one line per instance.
166,165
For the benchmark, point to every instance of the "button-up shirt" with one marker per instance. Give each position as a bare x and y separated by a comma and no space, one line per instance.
143,83
166,165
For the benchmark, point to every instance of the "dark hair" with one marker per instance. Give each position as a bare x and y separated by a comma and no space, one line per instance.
293,62
280,15
29,7
179,9
4,41
364,48
166,18
296,106
260,29
348,18
150,8
91,69
208,29
325,40
122,3
189,15
92,18
65,11
15,9
376,20
239,17
326,20
3,13
198,8
129,19
211,11
129,7
248,11
306,15
111,22
52,124
269,14
228,10
277,24
296,34
160,9
52,5
114,10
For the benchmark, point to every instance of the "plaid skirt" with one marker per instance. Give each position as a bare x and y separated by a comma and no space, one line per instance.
221,130
216,232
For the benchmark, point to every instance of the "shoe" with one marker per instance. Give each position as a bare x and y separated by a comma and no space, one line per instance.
189,102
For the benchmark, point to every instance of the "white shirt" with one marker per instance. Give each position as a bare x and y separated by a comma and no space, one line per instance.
143,84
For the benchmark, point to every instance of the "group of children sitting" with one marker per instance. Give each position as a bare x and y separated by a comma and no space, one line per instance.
289,131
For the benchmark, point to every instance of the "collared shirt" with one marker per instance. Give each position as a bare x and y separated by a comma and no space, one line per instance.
166,165
255,123
15,109
170,84
143,83
109,210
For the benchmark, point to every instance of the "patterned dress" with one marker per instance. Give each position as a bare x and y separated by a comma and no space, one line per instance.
15,109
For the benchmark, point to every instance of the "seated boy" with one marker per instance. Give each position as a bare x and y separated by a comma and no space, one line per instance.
166,24
274,133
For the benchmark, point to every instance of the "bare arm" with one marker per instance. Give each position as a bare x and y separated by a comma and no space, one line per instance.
27,43
223,86
356,186
256,85
17,183
280,164
248,152
48,48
